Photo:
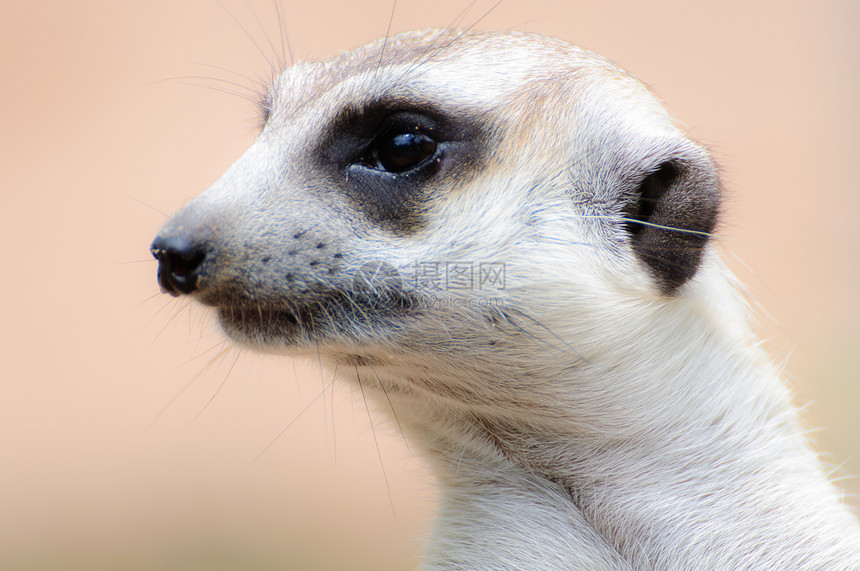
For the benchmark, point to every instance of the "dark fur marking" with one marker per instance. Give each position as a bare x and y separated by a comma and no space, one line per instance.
670,221
397,201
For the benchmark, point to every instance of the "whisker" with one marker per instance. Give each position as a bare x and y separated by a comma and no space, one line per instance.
296,379
322,381
376,443
249,35
391,406
218,390
186,385
200,354
252,81
333,427
422,64
185,79
292,422
670,228
250,98
146,261
150,298
387,35
172,317
151,207
285,36
570,350
281,60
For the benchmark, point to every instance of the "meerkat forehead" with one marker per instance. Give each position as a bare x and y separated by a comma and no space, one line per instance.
455,69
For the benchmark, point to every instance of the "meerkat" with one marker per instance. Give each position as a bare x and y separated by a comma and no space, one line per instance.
508,243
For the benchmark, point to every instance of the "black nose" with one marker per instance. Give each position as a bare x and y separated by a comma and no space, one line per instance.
179,262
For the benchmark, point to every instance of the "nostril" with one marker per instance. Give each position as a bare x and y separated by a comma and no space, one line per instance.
179,261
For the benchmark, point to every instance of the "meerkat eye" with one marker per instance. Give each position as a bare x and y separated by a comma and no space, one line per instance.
397,151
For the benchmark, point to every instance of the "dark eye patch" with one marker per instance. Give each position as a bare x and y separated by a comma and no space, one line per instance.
388,158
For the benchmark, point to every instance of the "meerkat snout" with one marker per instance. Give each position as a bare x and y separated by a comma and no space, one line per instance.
507,243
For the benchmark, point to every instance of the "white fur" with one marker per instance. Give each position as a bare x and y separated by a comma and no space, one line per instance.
592,422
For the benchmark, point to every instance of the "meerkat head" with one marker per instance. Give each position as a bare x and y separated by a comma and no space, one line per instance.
447,195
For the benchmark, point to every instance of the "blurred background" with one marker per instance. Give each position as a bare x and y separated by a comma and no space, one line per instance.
130,432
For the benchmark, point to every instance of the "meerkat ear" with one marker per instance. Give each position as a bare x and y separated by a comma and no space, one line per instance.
671,214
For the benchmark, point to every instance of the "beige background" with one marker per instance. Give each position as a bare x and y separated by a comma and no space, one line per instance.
99,138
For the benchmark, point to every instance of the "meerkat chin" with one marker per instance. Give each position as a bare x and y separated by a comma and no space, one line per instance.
508,239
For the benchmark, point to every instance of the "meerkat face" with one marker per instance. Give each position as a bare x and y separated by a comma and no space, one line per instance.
439,193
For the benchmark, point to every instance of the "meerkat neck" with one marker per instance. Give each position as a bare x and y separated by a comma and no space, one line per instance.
659,467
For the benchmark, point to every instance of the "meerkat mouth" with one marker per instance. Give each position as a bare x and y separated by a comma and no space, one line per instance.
260,321
261,317
315,319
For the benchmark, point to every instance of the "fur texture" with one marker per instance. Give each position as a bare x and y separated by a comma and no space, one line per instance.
538,301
